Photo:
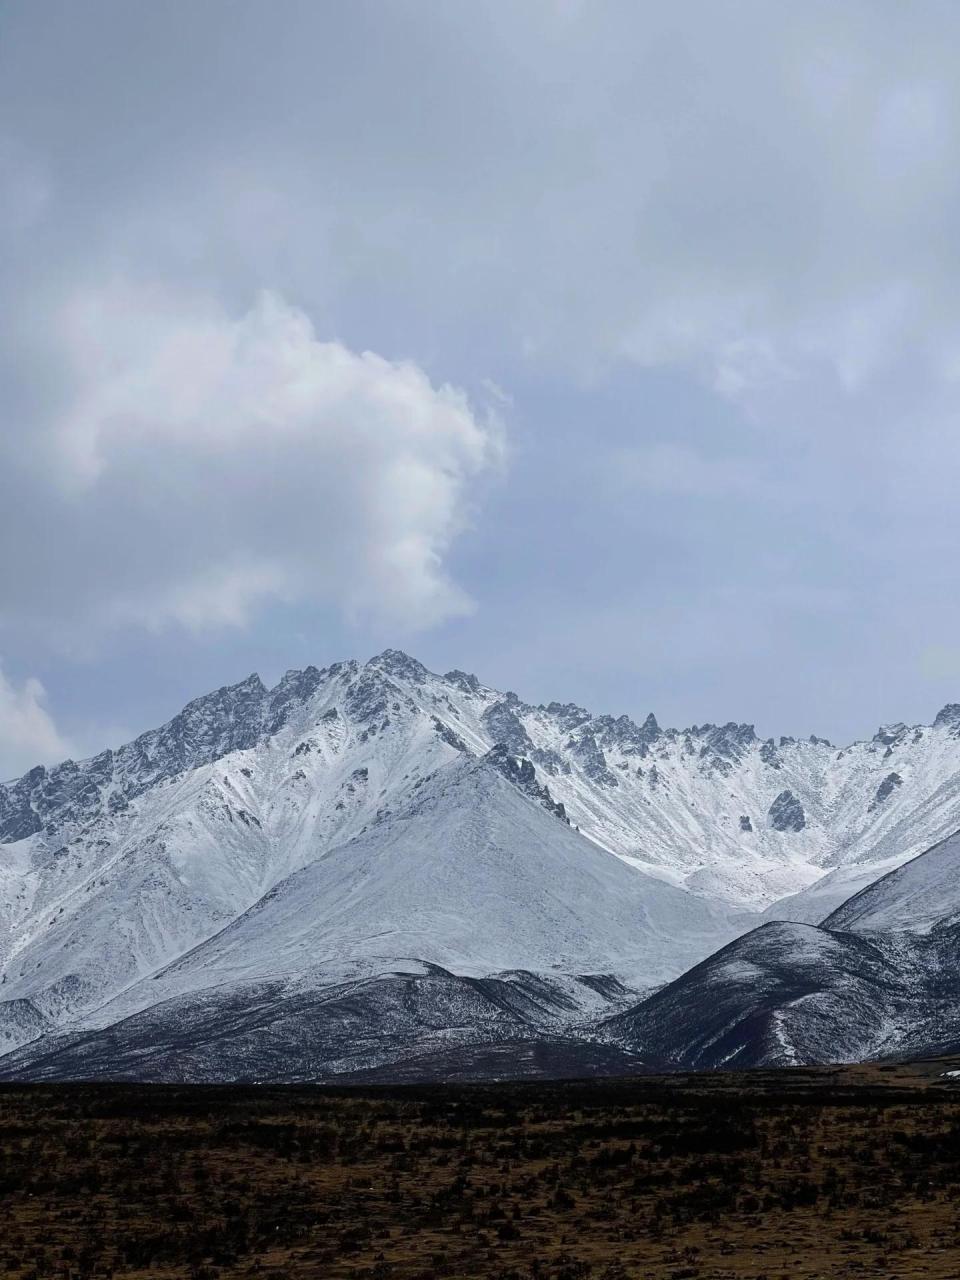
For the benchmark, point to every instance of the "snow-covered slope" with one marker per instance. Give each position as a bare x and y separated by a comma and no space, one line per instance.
345,817
784,995
921,896
725,814
391,938
879,977
469,875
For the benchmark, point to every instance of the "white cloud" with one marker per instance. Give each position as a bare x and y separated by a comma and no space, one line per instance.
729,189
202,464
757,201
28,734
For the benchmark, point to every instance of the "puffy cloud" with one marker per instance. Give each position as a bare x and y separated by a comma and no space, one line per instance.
709,247
28,735
200,463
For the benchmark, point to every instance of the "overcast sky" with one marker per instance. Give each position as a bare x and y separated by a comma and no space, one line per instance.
609,350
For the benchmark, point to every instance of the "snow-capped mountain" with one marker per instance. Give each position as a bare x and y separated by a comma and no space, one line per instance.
880,977
373,828
469,873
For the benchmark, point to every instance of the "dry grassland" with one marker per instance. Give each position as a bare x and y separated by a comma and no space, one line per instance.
772,1176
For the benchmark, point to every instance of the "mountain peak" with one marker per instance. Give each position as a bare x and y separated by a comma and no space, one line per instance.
889,735
464,680
728,739
948,717
386,811
397,663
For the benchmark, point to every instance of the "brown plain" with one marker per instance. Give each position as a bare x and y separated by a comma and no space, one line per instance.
760,1176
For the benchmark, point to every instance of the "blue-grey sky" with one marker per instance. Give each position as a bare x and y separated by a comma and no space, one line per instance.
610,350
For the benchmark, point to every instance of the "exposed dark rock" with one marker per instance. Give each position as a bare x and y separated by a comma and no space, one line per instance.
547,759
890,735
504,725
949,718
523,776
294,690
786,813
367,697
463,680
447,735
622,732
207,729
397,663
886,789
585,748
729,741
568,714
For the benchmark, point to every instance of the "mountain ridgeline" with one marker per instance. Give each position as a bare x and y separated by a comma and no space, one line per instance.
372,868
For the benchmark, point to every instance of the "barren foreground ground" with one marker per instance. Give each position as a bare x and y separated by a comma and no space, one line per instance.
783,1176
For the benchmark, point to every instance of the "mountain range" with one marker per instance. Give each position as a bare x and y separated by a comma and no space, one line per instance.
375,871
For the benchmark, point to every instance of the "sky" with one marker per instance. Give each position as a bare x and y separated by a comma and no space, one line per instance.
607,349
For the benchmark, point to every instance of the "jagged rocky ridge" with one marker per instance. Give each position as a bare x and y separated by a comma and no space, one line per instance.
373,846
